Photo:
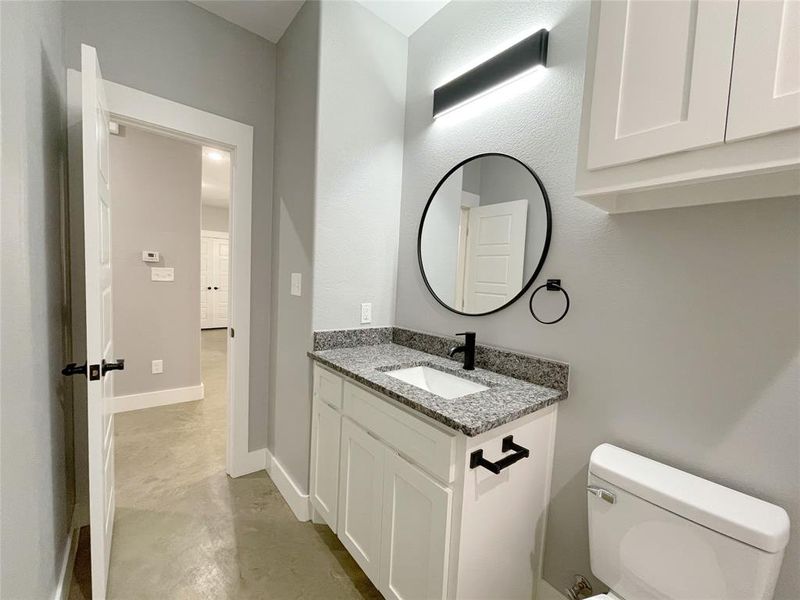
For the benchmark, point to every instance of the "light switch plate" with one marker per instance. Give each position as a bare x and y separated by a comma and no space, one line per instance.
162,274
297,284
158,366
366,312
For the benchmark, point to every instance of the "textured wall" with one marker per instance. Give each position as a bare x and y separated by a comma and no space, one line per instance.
181,52
35,479
362,76
151,175
293,234
683,334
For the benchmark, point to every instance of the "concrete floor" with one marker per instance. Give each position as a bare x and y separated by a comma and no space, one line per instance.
184,529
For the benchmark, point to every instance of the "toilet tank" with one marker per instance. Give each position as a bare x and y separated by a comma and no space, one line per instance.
665,534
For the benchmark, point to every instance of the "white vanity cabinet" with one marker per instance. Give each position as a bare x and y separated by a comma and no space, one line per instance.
675,113
412,512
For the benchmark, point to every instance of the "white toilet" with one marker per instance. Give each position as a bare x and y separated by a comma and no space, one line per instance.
659,533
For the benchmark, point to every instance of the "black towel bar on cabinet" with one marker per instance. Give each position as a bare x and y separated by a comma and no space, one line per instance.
476,458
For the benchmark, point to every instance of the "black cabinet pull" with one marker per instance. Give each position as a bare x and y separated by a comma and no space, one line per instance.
476,458
208,288
113,366
216,288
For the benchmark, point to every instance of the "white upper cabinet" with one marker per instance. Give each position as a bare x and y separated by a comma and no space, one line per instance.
690,102
661,78
765,86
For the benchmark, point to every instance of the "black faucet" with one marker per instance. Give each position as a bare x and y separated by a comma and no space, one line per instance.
468,349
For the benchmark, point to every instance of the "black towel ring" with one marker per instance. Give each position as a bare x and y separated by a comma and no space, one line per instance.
553,285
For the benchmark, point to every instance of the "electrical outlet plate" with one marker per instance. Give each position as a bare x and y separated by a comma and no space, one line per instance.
296,284
366,312
158,366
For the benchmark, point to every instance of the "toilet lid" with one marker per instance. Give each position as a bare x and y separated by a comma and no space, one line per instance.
608,596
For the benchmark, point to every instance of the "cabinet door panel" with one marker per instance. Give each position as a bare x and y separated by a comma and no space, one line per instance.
326,426
661,80
765,86
416,532
360,497
206,278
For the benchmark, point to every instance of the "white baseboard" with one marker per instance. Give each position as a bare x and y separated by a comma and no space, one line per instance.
68,561
250,463
548,592
159,398
296,499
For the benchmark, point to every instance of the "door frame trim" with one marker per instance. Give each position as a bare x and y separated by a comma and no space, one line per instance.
131,106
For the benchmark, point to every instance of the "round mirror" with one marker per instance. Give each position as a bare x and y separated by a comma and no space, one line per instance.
484,234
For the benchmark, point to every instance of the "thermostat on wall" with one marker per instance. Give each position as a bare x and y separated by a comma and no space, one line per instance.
150,256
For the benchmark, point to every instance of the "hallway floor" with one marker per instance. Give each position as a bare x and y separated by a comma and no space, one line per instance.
185,530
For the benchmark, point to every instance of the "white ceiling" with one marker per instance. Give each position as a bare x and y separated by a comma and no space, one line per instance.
215,190
404,15
267,18
270,18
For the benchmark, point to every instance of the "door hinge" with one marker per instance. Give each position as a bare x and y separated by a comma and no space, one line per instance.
94,372
233,334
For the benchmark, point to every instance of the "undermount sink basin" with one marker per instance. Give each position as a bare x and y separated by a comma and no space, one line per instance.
437,382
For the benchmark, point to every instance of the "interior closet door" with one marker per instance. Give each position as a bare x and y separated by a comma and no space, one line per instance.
214,277
206,285
221,276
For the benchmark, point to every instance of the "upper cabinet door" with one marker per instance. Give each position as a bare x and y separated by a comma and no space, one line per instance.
765,86
661,78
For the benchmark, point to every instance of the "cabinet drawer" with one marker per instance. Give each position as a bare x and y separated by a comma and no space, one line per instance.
327,386
423,444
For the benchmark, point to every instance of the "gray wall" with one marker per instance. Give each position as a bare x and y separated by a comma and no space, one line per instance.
179,51
362,84
36,492
153,175
214,218
683,334
293,238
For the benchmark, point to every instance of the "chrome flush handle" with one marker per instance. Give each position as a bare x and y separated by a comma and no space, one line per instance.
609,497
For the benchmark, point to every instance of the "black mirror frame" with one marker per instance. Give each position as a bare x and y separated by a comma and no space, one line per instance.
545,249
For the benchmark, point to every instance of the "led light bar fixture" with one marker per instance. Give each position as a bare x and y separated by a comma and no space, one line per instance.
510,64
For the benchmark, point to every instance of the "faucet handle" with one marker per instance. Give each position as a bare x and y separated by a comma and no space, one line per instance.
466,333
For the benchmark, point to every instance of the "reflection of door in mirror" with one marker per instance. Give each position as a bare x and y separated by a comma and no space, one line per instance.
492,254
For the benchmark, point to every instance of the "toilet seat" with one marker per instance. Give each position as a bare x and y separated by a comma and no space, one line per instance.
608,596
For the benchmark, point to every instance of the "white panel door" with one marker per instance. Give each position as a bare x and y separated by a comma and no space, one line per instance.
495,255
360,497
221,276
416,533
206,282
765,86
214,278
661,79
99,347
326,426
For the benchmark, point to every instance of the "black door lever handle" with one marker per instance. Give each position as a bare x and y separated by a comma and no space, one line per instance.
113,366
74,369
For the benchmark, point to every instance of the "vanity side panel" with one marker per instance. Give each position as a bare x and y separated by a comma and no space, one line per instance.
503,517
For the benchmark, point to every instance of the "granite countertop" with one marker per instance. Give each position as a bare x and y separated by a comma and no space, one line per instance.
506,399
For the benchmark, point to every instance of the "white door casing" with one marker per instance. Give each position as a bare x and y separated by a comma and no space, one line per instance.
99,347
662,76
495,255
765,85
214,277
